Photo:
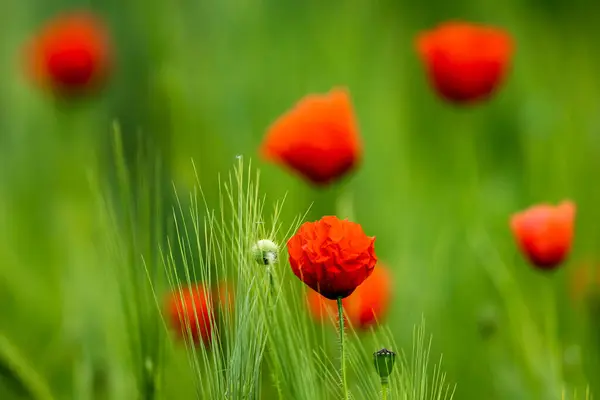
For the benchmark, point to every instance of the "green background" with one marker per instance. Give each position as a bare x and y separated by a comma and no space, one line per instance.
204,79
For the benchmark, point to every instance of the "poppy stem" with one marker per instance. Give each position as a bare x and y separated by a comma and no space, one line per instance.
345,205
343,356
384,388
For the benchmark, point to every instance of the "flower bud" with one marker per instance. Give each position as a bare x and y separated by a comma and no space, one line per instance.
384,362
265,252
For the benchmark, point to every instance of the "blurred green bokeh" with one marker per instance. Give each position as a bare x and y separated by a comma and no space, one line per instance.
202,80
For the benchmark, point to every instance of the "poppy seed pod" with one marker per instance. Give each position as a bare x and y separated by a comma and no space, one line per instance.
384,360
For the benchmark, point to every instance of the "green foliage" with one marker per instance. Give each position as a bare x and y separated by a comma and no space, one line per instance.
202,80
269,322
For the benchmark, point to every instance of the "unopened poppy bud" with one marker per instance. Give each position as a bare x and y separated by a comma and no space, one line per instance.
265,252
384,362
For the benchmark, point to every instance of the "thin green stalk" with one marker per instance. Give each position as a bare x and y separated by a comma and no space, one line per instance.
14,367
343,355
345,204
271,306
384,388
271,286
555,371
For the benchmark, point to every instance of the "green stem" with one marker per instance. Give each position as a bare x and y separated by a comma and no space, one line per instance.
524,331
343,355
345,205
271,286
384,389
555,373
16,369
271,305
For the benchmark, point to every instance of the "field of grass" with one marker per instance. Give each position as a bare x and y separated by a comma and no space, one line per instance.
159,176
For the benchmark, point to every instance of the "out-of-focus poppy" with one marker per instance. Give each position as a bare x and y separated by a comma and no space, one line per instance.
544,233
332,256
190,312
70,55
465,62
317,139
364,308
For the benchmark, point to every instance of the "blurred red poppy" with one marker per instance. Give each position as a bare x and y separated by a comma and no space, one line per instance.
190,312
317,139
544,233
465,62
332,256
366,307
70,55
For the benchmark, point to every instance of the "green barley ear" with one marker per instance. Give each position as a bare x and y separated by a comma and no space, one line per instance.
265,252
384,362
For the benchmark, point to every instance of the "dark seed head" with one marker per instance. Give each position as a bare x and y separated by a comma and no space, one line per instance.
384,362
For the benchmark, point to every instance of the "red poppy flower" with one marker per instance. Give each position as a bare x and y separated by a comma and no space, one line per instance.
189,312
318,138
465,62
332,256
365,307
544,233
71,54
